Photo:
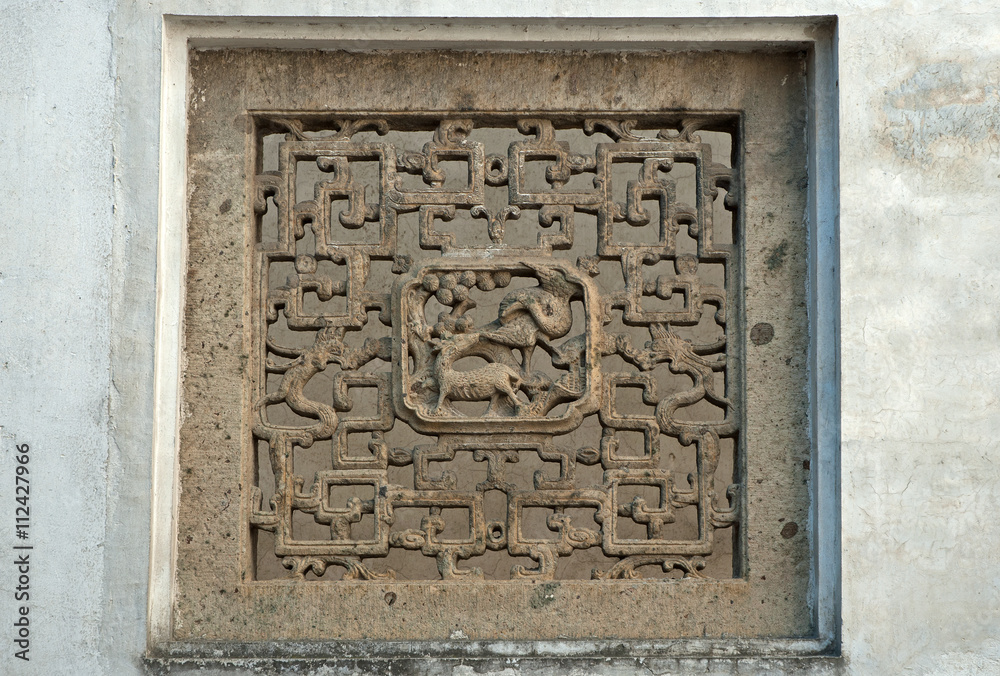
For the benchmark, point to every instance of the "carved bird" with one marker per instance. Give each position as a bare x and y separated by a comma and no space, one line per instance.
526,313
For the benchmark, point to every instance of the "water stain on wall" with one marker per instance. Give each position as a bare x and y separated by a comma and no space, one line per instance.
940,106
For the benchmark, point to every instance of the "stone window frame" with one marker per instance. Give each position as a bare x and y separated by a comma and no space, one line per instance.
815,35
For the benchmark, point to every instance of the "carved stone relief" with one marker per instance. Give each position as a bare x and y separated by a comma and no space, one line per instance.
488,330
467,351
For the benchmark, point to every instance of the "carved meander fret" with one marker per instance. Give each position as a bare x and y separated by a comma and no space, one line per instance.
501,301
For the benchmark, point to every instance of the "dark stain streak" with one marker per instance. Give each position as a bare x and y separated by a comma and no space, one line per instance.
777,257
544,595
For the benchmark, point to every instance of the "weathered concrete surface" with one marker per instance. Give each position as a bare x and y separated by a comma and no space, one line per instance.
57,102
920,172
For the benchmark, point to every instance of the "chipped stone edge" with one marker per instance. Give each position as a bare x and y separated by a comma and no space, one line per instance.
817,34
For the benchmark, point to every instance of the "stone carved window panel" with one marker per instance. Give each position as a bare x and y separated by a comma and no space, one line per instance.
492,310
453,338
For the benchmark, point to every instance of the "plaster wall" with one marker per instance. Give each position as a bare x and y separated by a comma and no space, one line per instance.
920,370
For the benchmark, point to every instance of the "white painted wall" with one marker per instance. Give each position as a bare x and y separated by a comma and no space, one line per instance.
920,254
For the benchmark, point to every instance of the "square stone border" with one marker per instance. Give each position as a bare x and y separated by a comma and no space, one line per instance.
815,35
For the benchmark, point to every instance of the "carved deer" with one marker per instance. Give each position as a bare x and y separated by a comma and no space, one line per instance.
488,382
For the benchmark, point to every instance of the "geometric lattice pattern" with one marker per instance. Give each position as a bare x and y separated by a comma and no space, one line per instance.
444,305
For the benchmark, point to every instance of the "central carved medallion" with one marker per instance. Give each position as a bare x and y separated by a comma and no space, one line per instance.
433,347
